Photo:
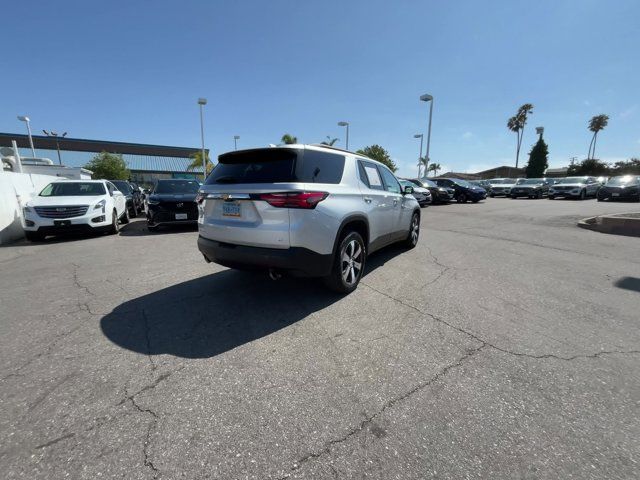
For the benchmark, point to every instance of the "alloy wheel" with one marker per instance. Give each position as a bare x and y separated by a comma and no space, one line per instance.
351,262
415,229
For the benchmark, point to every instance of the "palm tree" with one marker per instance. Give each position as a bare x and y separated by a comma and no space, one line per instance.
516,124
289,139
329,141
435,168
196,164
597,123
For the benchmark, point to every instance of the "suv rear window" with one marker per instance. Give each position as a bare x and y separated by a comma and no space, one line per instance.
277,165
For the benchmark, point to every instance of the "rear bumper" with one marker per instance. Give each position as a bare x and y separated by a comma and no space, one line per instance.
297,261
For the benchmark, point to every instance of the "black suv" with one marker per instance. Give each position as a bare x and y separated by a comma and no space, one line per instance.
172,202
464,191
132,195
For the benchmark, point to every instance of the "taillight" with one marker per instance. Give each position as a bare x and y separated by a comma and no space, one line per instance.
200,197
294,199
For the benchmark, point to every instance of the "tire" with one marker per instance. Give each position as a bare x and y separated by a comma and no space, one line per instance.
462,198
125,218
414,232
475,201
599,199
539,195
345,275
513,197
152,228
551,197
134,211
34,236
115,226
492,195
583,194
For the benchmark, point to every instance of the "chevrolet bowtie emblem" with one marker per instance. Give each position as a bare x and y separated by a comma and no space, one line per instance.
179,205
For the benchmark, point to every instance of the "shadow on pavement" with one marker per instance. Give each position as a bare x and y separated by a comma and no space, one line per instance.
138,228
206,316
628,283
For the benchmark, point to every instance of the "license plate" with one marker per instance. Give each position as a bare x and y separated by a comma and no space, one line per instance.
231,209
615,194
181,216
62,223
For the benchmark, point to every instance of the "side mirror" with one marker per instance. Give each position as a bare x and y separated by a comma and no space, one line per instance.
407,190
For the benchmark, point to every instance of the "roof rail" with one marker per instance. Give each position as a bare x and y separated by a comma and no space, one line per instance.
334,148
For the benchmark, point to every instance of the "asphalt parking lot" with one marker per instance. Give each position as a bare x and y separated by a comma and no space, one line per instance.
506,345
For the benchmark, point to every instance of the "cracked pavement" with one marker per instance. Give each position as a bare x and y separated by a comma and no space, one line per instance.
506,345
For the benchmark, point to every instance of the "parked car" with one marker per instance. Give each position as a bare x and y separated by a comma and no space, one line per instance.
132,196
438,194
172,202
530,188
306,210
624,187
463,190
501,186
74,206
482,184
574,187
421,194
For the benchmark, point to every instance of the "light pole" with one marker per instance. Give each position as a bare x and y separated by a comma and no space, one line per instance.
235,141
202,102
26,120
540,131
428,98
56,136
421,137
345,124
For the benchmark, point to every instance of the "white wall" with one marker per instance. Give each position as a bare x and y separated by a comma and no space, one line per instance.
15,191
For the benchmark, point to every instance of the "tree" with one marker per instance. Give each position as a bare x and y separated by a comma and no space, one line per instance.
196,163
538,159
329,141
109,166
597,123
590,166
288,139
626,167
435,168
376,152
516,124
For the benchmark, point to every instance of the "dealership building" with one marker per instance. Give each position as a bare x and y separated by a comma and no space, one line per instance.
147,163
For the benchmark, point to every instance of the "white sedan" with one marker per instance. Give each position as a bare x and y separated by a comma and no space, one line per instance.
74,206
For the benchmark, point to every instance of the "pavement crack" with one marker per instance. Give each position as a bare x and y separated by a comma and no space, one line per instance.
443,268
147,441
161,378
495,347
369,419
77,283
55,440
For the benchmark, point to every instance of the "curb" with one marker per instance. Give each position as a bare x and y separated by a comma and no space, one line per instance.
619,224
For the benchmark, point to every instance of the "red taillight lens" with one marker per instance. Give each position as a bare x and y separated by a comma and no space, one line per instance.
294,199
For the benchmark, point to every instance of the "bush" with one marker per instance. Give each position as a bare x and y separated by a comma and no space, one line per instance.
108,166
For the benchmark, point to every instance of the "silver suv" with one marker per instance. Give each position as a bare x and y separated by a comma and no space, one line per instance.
306,210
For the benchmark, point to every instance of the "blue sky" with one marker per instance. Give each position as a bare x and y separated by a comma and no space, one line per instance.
133,70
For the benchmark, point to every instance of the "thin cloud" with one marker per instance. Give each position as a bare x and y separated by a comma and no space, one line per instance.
467,135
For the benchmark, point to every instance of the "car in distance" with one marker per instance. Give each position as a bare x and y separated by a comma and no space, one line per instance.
623,187
574,187
463,190
501,186
438,194
74,206
171,202
482,184
530,188
132,196
305,210
421,194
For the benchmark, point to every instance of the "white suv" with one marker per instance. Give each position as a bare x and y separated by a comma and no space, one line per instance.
71,206
307,210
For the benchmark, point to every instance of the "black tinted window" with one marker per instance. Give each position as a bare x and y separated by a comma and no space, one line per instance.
176,186
269,165
124,187
321,167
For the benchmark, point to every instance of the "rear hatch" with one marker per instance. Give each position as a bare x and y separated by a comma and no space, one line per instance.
247,197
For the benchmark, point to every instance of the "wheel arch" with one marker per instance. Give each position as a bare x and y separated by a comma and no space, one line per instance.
356,222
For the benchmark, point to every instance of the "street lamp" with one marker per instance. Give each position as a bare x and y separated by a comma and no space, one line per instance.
26,120
235,141
57,137
345,124
540,131
428,98
202,102
420,136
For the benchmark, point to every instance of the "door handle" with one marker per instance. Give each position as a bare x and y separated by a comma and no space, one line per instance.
368,199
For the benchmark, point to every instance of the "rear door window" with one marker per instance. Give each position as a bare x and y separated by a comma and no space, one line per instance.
268,165
371,175
321,167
